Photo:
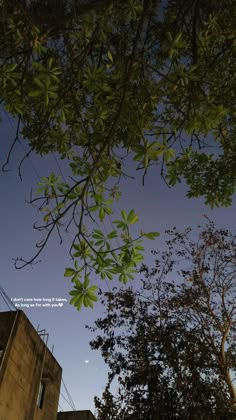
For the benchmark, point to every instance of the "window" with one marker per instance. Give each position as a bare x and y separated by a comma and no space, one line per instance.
41,394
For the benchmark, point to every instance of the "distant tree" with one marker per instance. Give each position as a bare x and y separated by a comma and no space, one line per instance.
103,82
171,346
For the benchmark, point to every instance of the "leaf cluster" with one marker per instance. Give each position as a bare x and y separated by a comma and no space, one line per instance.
101,84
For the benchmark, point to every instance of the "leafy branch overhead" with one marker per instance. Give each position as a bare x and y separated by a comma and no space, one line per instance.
97,255
103,83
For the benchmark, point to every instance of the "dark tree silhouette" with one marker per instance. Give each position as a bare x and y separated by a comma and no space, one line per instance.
170,345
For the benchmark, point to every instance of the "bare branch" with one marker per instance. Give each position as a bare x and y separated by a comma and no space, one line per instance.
16,139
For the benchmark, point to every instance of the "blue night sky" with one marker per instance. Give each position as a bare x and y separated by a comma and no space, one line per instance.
158,207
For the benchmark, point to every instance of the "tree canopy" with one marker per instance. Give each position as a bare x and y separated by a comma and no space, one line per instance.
170,345
102,82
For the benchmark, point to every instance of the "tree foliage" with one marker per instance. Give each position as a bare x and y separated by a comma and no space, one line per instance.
170,346
100,82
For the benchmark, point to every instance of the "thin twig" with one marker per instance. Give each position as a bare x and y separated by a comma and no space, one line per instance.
16,139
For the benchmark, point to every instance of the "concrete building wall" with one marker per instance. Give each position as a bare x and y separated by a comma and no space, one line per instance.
76,415
25,362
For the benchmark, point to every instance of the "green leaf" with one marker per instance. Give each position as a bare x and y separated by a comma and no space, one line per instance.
151,235
112,234
92,297
101,214
120,224
108,210
124,215
93,208
139,247
169,154
98,234
46,217
86,281
69,272
109,55
34,93
93,288
79,303
86,301
123,278
137,258
132,217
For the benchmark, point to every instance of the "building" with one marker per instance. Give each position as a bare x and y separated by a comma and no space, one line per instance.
76,415
30,376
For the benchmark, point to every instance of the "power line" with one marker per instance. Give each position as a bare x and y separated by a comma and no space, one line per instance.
63,396
60,407
68,394
6,299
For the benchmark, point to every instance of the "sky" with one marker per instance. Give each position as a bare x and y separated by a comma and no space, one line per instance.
158,207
